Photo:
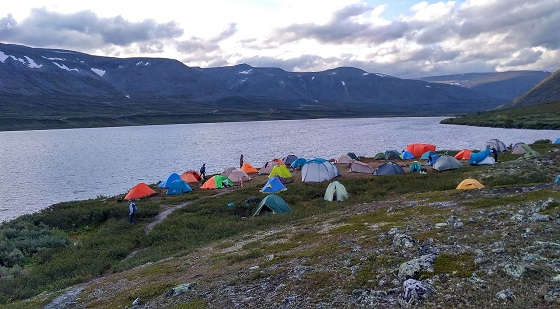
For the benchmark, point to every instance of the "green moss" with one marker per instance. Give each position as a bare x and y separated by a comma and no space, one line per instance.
123,299
197,303
456,265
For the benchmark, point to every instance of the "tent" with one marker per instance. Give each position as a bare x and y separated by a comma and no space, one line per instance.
434,158
336,192
419,149
426,155
170,179
217,182
379,156
267,168
352,155
318,170
139,191
228,171
518,148
445,163
415,167
390,168
280,171
238,175
249,169
361,167
178,187
273,203
463,155
496,143
486,161
557,141
191,176
344,159
273,185
298,163
529,152
470,184
288,160
557,180
392,155
406,155
479,156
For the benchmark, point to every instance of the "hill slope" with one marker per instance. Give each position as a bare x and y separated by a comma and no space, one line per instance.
546,91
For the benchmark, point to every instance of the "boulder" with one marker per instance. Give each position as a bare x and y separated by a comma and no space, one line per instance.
403,240
553,295
514,270
413,268
506,294
415,291
181,289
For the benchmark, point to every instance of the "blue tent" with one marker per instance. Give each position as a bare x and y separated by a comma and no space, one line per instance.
298,163
288,160
426,155
557,180
273,203
407,155
557,141
392,155
317,160
273,185
170,179
178,187
435,157
390,168
479,156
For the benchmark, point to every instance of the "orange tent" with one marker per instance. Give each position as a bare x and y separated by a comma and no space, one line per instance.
249,169
419,149
141,190
463,155
191,176
278,162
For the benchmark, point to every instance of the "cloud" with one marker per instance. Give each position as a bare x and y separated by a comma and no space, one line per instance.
205,50
83,30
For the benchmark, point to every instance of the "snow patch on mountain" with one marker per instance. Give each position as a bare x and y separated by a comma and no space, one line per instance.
53,58
343,83
245,72
99,72
380,75
64,67
365,74
3,56
313,77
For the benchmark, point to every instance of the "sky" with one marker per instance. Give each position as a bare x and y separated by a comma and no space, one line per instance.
404,38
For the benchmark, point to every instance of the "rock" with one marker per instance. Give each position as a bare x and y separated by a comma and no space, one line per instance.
181,289
553,295
455,222
403,240
254,267
514,270
136,302
506,294
556,278
270,257
441,225
498,247
393,231
413,268
537,217
414,291
517,217
428,247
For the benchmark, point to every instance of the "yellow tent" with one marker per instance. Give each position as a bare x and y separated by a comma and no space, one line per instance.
470,184
280,171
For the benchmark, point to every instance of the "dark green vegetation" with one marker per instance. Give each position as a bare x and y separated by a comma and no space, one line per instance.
77,241
540,116
548,90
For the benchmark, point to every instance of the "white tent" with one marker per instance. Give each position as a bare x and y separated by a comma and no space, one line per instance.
344,159
361,167
317,171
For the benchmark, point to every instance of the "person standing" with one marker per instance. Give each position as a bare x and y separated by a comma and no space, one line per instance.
241,161
131,212
495,153
203,171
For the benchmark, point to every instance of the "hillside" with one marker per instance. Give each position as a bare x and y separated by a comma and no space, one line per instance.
546,91
502,85
539,116
401,240
51,88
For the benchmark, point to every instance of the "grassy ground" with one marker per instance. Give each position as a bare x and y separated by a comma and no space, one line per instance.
74,242
541,116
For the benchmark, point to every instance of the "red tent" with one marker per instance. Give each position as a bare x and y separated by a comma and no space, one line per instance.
463,155
419,149
139,191
191,176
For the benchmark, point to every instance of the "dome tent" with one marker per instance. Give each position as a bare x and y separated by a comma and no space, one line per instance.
463,155
280,171
289,159
191,176
557,141
273,185
407,155
178,187
418,150
392,155
335,192
496,144
237,175
361,167
169,180
390,168
217,182
379,156
477,157
344,159
518,148
249,169
318,170
267,168
433,159
445,163
426,155
273,203
139,191
469,184
298,163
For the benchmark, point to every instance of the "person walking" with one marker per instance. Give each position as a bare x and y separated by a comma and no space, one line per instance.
495,153
241,161
131,212
203,171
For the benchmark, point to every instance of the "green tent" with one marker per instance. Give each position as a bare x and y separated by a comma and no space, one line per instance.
336,192
415,167
529,152
273,203
379,156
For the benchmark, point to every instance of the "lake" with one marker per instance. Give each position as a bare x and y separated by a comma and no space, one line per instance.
40,168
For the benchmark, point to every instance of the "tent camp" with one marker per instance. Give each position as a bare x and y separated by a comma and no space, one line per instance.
298,163
379,156
191,176
178,186
288,160
445,163
407,155
318,170
280,171
273,185
529,152
228,171
139,191
415,167
489,160
469,184
497,144
249,169
518,148
419,149
361,167
336,192
426,155
238,175
352,155
272,203
463,155
267,168
217,182
557,141
392,155
431,160
169,180
479,156
390,168
344,159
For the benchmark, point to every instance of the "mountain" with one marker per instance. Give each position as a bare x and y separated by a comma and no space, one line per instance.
501,85
546,91
45,88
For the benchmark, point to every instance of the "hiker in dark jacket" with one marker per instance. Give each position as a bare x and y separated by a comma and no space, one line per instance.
495,154
131,212
203,171
241,161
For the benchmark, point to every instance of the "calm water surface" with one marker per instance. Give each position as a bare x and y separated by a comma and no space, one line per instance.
39,168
